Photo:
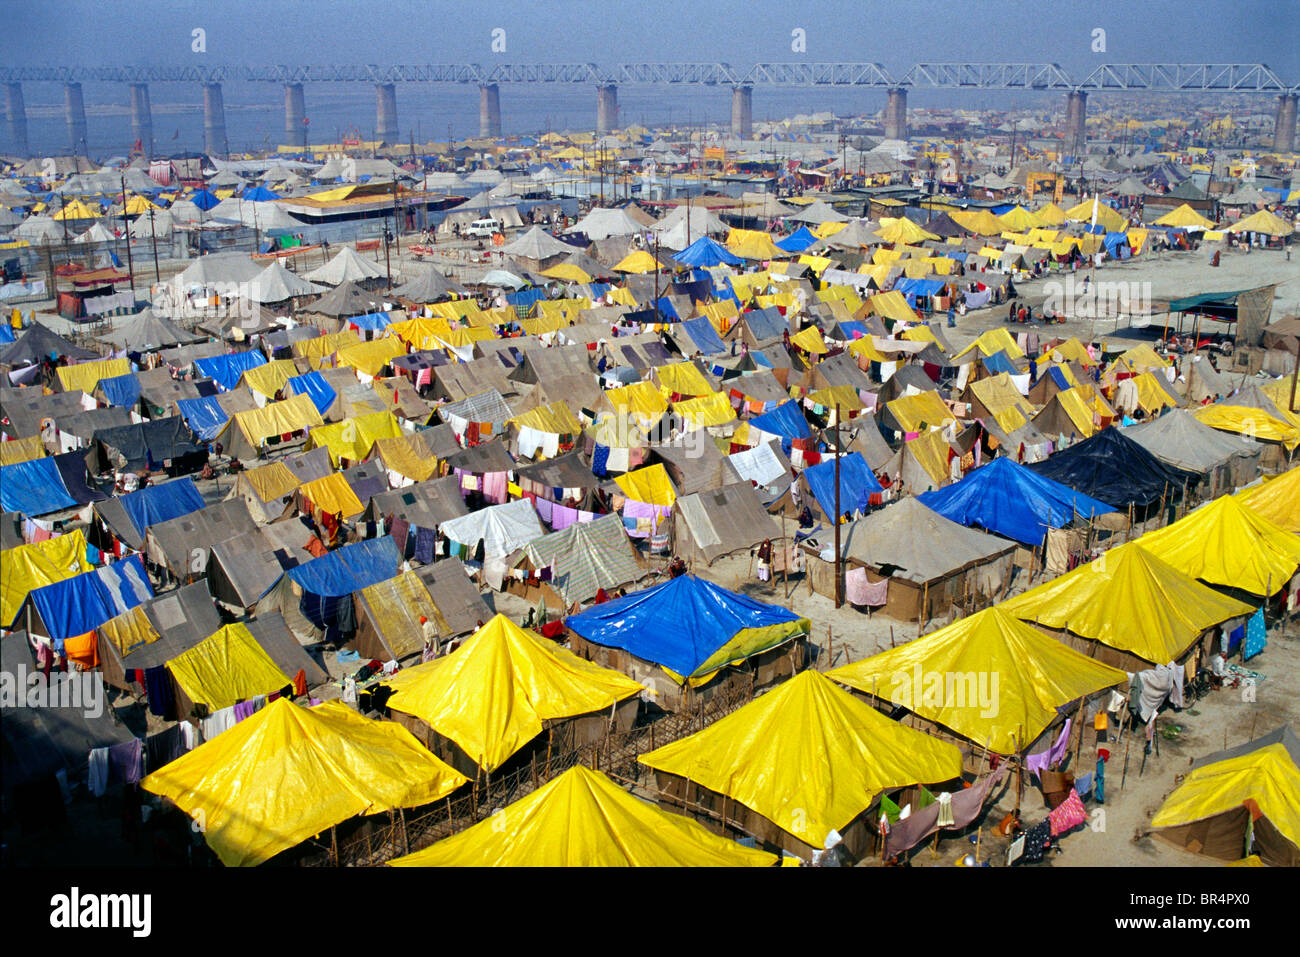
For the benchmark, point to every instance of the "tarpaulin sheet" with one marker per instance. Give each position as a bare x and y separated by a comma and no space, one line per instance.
583,819
314,386
150,444
1036,675
1277,499
396,606
333,495
1227,543
352,438
650,485
639,398
786,420
225,668
406,455
1113,468
276,418
688,625
287,772
226,370
159,503
73,472
1131,600
494,693
808,756
84,376
857,484
707,252
317,349
122,390
704,336
270,378
34,488
1009,499
705,410
682,378
371,357
921,411
28,567
556,418
204,415
79,604
501,528
349,568
22,450
128,631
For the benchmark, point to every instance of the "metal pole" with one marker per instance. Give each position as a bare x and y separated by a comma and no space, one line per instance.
153,236
126,228
839,588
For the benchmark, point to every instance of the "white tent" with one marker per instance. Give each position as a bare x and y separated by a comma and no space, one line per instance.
537,244
501,529
275,283
345,266
674,232
602,223
95,234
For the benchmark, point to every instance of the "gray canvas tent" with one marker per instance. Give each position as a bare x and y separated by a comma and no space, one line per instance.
708,525
585,557
1178,439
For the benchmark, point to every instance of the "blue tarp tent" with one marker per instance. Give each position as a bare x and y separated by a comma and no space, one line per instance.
204,415
679,624
1000,362
854,329
797,241
766,323
34,488
1117,245
349,568
83,602
259,194
704,336
121,390
313,385
786,420
857,483
204,200
706,252
160,503
225,370
1009,499
6,334
372,321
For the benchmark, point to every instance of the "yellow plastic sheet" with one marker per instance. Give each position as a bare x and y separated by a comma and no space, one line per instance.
315,351
1000,396
276,418
25,568
371,357
810,340
22,450
556,418
227,667
406,455
754,244
272,481
989,677
129,631
353,438
86,375
494,693
1277,499
332,493
397,604
287,773
890,305
993,341
682,378
649,485
706,410
808,756
1248,421
583,819
924,410
270,378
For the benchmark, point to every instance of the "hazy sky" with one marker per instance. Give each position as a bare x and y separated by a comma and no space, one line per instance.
895,33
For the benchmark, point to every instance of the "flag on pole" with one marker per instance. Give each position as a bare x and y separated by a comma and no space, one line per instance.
1094,211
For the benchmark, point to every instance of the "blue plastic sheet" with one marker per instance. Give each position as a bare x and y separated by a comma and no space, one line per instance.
679,624
349,568
204,415
122,390
999,362
797,241
786,420
225,370
79,604
160,503
707,252
372,321
313,385
704,336
34,488
1009,499
857,484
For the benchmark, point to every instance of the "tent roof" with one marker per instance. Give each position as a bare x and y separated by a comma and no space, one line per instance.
346,265
688,625
808,756
347,299
1178,439
289,772
1111,467
583,819
537,244
495,693
1276,499
586,557
1036,675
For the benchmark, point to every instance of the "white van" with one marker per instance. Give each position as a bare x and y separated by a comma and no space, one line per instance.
484,228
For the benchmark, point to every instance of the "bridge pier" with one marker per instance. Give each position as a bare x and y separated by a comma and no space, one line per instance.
896,115
1076,121
295,112
742,112
141,118
606,108
489,111
386,112
214,121
16,114
1284,129
74,107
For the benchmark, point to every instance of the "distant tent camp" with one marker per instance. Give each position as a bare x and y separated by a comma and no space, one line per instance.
289,772
583,819
1239,802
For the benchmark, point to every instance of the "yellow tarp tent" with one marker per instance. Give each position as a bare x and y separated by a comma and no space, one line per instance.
810,340
992,341
332,493
889,305
583,819
556,419
1151,395
753,244
1262,222
640,399
422,332
25,568
567,272
1000,396
902,230
225,668
270,482
1226,543
495,693
287,773
1248,421
317,350
681,378
75,210
808,756
1018,219
22,450
1106,216
129,630
1184,216
1267,776
981,222
407,456
924,410
1277,499
705,411
1071,350
86,375
1131,600
371,357
948,677
270,378
930,450
1050,215
650,485
275,418
353,438
639,262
